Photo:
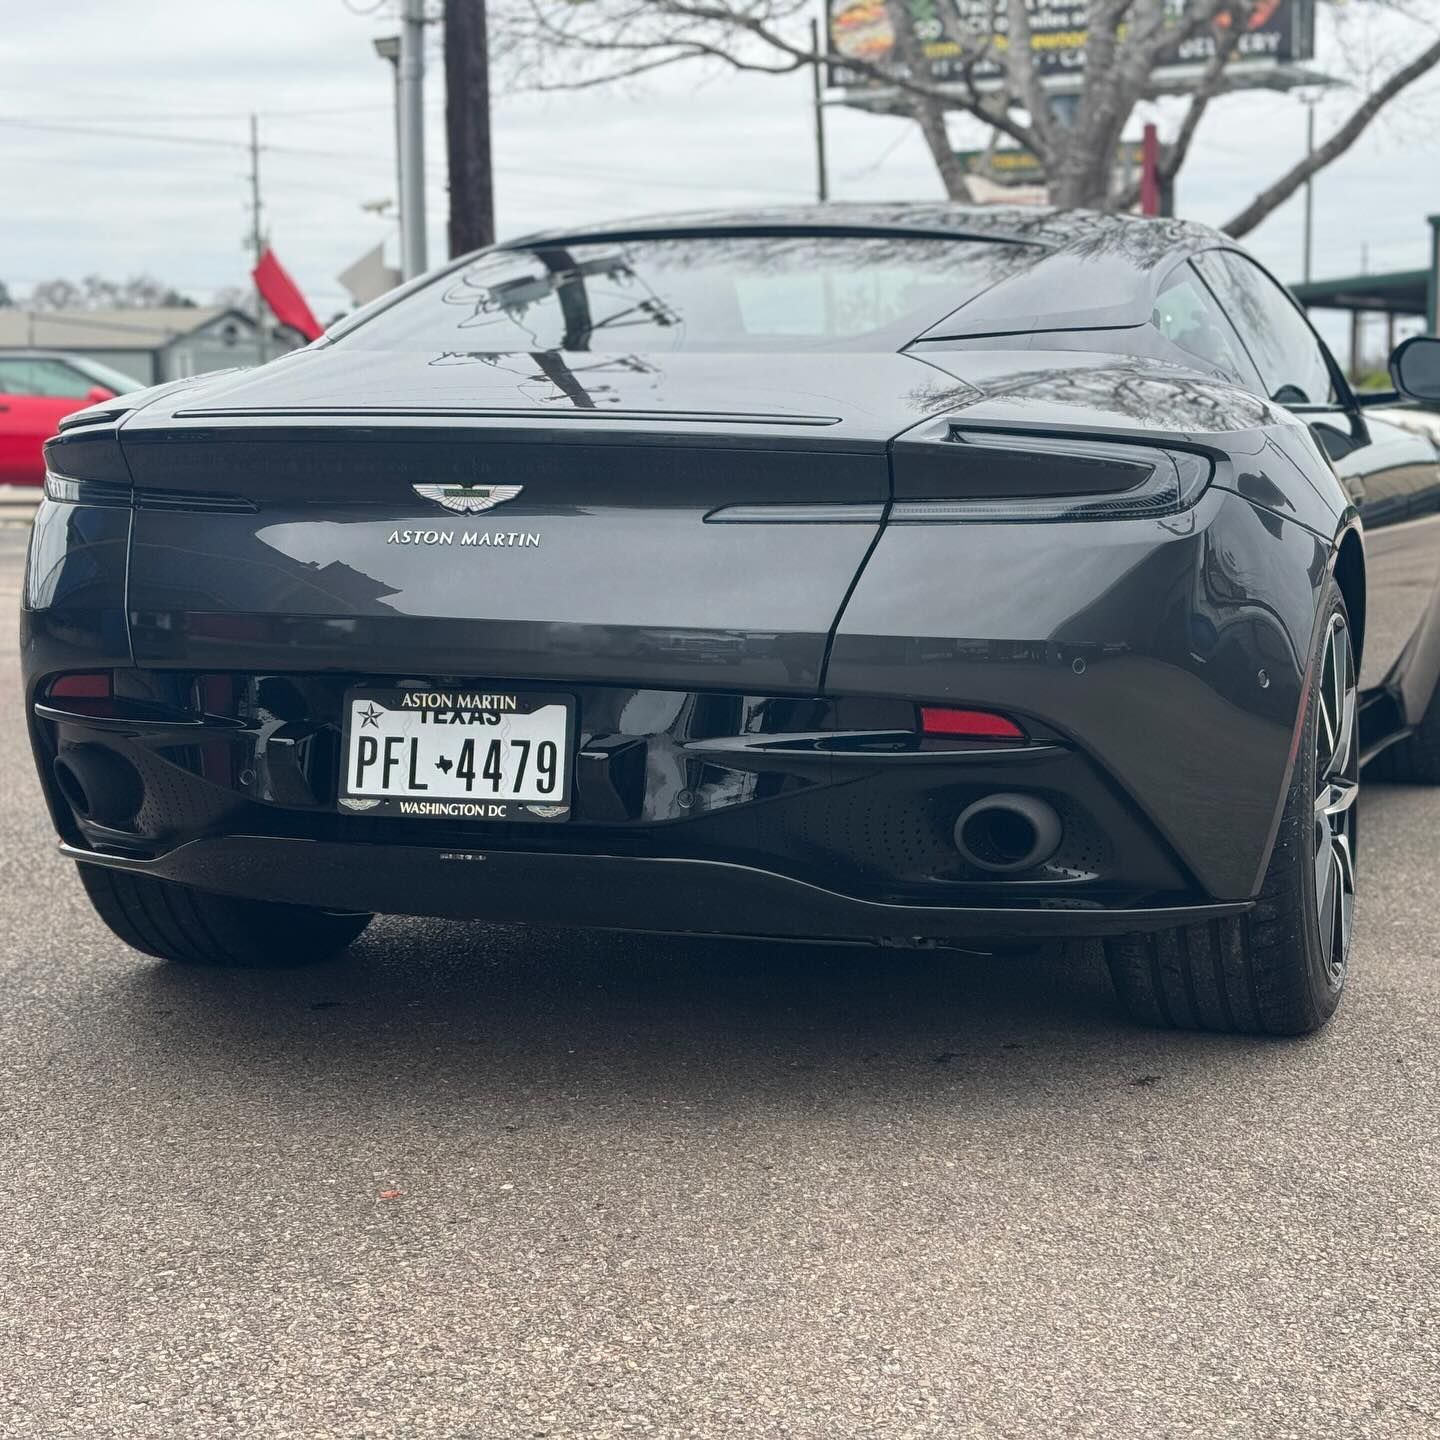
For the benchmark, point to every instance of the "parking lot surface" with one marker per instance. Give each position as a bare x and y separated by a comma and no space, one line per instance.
488,1182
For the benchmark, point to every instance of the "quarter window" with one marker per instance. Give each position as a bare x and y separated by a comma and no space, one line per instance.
1187,316
1286,351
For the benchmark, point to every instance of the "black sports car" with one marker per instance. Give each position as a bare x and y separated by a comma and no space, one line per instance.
917,576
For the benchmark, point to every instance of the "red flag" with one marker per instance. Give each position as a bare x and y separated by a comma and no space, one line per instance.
283,296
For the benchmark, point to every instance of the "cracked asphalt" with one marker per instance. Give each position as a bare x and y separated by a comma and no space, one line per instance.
491,1183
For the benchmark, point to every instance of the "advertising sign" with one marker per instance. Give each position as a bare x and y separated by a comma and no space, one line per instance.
1279,32
1020,167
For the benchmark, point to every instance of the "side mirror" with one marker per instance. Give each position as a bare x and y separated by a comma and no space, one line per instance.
1415,368
96,393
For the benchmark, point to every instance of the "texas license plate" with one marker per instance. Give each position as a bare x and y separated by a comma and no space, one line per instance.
457,754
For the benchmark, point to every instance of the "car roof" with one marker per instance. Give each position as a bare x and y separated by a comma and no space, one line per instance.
1090,269
1017,224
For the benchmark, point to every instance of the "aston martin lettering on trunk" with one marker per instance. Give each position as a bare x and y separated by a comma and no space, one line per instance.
501,539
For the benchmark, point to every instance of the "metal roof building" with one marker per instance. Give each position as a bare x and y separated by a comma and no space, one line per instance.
150,345
1413,294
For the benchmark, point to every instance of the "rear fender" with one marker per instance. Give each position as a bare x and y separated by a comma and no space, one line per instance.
1171,651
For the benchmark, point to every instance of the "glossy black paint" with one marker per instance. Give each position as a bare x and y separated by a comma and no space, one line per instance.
668,894
1173,652
746,626
830,793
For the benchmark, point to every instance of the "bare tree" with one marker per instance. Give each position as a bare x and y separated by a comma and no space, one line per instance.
235,297
992,73
1338,143
95,292
57,294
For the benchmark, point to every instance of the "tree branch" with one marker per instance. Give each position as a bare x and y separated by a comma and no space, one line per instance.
676,26
1268,200
1210,84
1208,87
1025,78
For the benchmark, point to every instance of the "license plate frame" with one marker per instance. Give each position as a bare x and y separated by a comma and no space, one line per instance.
504,712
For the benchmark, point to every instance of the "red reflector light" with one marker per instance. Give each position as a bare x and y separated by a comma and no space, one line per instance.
968,724
81,687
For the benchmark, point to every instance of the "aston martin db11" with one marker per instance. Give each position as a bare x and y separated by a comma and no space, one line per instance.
914,576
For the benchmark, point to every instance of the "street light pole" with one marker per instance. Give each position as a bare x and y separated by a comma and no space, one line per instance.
387,47
1309,104
411,96
822,179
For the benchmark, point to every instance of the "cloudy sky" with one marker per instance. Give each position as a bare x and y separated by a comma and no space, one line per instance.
122,133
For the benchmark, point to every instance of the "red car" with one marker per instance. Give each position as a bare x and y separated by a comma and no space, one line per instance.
36,389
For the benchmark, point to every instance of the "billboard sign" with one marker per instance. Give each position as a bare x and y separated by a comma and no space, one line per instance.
1280,32
1021,167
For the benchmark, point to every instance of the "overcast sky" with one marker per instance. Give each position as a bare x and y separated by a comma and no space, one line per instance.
145,169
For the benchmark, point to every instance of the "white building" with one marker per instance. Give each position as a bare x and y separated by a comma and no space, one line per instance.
151,345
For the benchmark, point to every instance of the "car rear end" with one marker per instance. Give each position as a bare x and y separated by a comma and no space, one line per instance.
748,671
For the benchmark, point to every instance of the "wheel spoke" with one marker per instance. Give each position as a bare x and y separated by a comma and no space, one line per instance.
1346,871
1345,739
1345,863
1326,750
1326,897
1338,797
1324,860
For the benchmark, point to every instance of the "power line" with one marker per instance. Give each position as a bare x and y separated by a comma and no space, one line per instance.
109,133
209,141
181,117
309,151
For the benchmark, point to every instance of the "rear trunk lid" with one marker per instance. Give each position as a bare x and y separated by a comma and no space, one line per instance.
685,521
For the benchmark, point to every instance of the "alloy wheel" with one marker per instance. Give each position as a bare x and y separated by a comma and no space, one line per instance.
1337,785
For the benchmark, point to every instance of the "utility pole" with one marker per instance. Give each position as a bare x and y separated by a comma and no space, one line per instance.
467,126
387,47
412,138
822,179
1309,102
257,233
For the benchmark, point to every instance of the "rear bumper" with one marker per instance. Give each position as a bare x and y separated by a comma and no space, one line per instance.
618,892
1156,666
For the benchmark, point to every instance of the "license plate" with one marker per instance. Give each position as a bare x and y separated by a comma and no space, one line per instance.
457,753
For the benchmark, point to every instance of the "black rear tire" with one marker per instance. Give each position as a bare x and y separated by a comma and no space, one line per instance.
195,927
1280,969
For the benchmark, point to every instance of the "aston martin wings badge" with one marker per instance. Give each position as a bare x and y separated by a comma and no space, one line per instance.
468,499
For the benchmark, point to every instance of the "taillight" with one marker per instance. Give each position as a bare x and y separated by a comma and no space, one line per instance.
945,472
93,685
967,724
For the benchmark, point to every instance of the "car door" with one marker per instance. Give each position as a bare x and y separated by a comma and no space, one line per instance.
1379,465
35,393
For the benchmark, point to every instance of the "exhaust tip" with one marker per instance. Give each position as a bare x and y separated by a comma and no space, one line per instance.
1004,833
99,785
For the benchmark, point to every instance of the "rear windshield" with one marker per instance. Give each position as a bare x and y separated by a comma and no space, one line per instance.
717,292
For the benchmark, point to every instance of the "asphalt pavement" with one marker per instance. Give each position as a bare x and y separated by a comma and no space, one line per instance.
488,1182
